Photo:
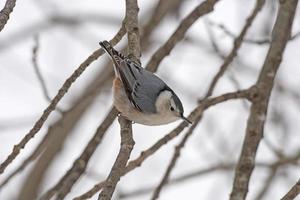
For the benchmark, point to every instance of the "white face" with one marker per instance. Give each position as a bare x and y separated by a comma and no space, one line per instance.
166,106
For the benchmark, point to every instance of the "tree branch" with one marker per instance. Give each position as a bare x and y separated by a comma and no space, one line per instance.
236,45
293,193
256,120
127,142
202,9
5,12
117,170
132,28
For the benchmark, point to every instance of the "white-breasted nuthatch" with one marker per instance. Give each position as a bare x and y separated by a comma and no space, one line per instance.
141,96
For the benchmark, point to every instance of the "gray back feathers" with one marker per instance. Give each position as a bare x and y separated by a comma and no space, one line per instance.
143,86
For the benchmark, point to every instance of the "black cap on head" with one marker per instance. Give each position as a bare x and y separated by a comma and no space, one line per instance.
179,106
177,102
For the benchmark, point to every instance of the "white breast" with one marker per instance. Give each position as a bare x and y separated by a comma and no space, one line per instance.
153,119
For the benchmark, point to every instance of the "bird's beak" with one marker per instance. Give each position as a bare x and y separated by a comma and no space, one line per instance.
186,119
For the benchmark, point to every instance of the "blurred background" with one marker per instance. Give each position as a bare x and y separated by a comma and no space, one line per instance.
62,34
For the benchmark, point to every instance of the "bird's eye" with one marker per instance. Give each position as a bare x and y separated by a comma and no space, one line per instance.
172,109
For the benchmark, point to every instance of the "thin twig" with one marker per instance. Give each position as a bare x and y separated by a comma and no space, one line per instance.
38,150
267,184
236,45
257,117
175,158
293,193
282,160
36,68
223,57
202,9
274,167
5,12
247,40
180,179
161,10
213,41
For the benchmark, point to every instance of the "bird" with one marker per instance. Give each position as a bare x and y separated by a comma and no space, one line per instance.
140,95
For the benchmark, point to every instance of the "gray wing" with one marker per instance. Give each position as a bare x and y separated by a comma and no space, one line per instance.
146,91
142,87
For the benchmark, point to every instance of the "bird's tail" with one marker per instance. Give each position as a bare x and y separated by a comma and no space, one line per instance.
111,51
116,56
108,48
